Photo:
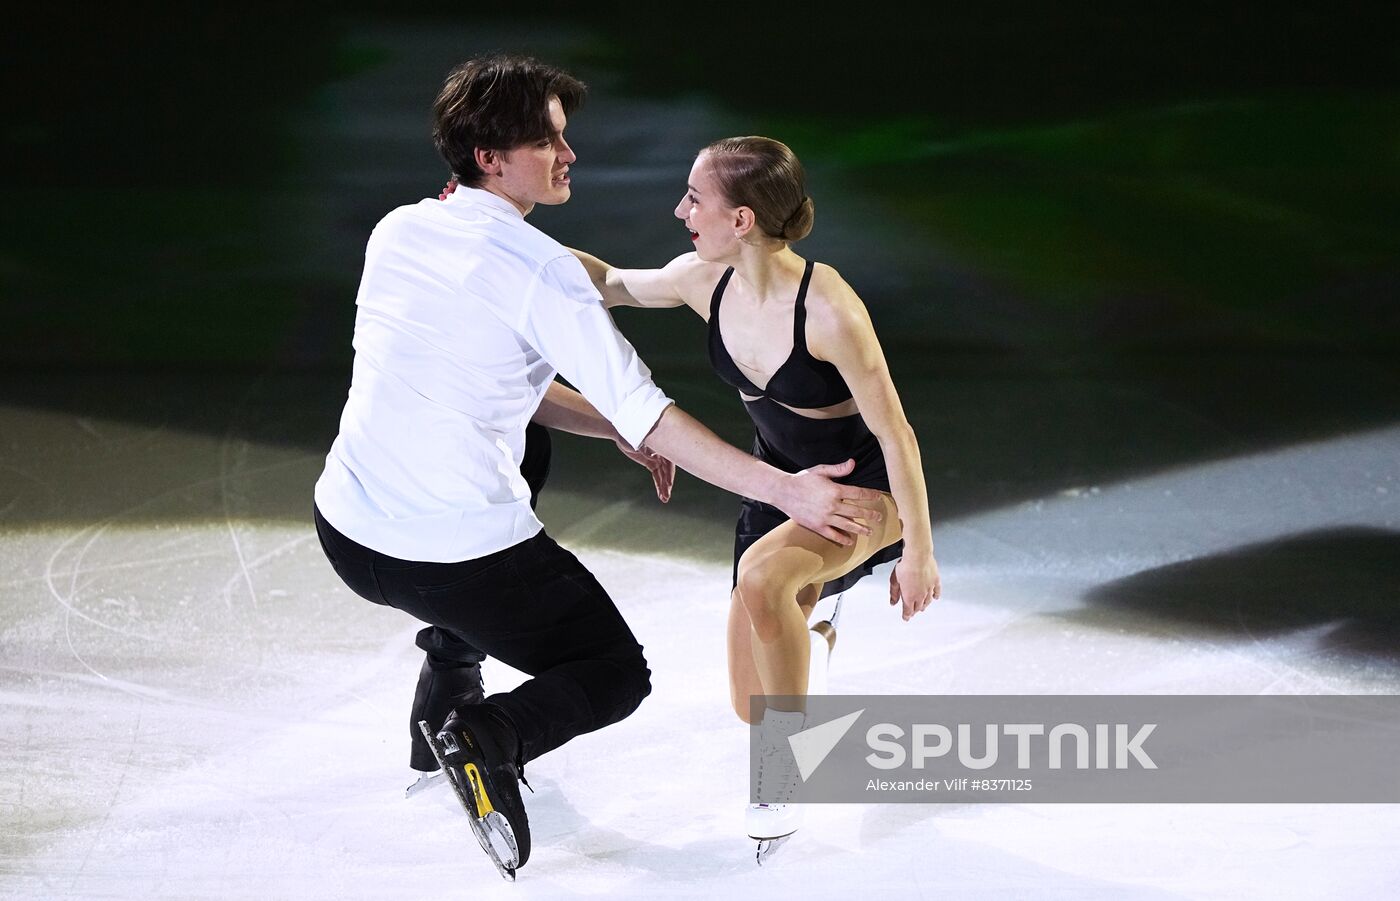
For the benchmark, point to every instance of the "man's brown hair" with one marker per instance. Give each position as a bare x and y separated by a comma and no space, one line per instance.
497,102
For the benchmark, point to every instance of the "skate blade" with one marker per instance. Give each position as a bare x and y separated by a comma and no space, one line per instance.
497,839
829,622
425,782
767,847
492,831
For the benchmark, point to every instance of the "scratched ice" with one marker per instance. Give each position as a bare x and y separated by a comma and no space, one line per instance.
194,707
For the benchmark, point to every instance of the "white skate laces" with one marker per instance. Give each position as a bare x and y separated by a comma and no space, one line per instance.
775,814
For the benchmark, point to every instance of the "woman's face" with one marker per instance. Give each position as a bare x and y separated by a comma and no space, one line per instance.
707,214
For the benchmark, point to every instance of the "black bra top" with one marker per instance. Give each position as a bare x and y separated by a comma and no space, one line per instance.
803,381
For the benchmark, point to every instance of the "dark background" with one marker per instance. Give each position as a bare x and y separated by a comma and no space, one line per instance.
1124,236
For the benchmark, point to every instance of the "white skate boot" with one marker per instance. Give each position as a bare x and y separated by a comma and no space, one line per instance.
823,638
773,821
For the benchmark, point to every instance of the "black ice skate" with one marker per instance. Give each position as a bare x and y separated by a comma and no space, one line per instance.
443,686
477,749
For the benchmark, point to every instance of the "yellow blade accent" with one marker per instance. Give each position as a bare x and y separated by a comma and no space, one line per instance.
483,803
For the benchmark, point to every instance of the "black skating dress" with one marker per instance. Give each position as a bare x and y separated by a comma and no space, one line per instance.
792,442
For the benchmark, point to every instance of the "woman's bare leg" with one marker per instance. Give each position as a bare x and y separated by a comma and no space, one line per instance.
777,574
743,670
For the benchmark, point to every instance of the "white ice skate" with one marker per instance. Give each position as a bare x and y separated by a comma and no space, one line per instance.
773,821
823,638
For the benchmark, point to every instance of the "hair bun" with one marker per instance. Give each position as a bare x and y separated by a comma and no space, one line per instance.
763,175
799,224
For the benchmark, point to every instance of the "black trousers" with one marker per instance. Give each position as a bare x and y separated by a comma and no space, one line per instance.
532,606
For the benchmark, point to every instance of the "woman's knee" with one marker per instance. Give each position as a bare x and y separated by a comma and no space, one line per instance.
764,592
754,583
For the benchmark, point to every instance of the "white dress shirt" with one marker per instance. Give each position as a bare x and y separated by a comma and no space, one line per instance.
465,314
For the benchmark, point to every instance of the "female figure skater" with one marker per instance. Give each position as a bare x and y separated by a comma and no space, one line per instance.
797,344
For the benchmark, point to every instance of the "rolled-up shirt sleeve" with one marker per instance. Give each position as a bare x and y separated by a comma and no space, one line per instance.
563,318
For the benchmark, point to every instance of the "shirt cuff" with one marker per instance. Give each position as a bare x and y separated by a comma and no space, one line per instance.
639,412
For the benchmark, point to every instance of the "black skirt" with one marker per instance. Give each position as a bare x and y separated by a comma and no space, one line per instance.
793,442
757,519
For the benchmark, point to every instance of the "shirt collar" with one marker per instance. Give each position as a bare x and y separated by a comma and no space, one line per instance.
464,194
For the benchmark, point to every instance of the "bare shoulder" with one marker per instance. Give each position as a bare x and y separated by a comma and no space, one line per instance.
688,269
694,279
835,311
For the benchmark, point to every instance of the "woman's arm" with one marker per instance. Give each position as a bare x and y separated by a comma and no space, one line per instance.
621,287
839,331
827,508
670,286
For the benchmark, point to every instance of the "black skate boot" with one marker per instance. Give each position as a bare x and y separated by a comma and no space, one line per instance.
443,686
479,751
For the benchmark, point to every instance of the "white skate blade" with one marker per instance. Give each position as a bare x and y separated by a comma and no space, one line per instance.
492,831
425,782
767,847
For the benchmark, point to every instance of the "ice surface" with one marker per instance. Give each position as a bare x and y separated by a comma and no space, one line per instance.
195,707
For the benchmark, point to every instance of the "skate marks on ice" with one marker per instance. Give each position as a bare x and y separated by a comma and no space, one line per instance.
139,642
226,773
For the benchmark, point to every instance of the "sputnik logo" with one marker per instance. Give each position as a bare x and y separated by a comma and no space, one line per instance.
811,746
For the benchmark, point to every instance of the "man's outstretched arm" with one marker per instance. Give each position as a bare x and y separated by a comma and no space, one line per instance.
836,512
565,409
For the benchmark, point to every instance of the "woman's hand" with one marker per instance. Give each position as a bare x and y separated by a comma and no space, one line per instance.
915,582
448,188
663,471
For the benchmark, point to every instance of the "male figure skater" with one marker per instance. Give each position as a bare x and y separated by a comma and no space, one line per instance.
465,315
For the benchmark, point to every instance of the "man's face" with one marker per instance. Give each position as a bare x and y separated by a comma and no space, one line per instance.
538,172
